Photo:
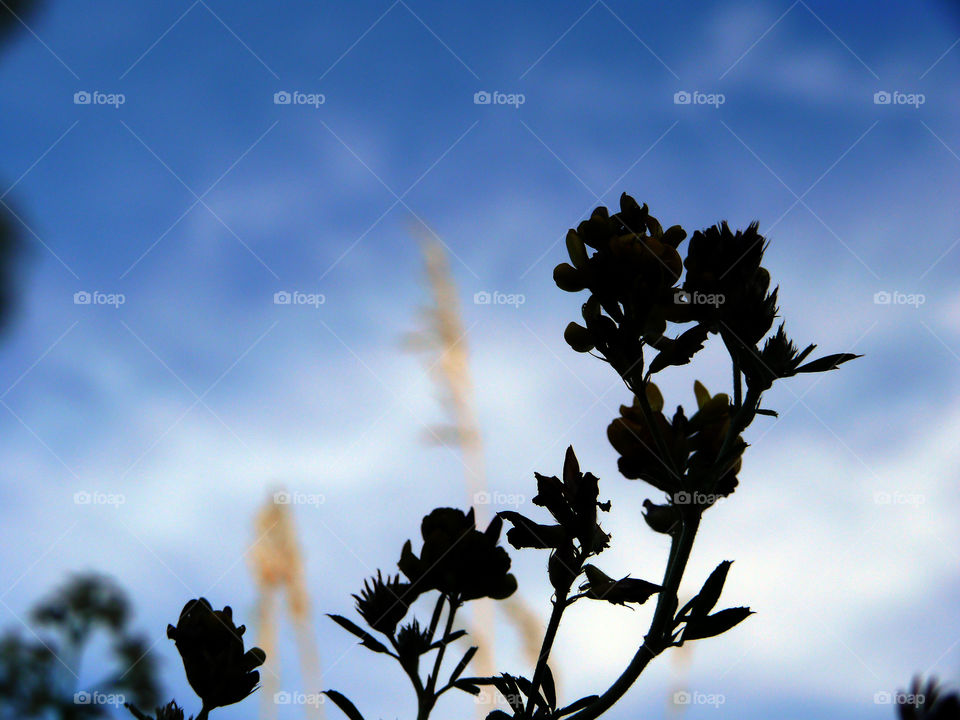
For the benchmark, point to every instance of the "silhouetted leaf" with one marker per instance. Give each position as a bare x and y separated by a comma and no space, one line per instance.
455,635
770,413
348,708
549,687
617,592
713,625
682,350
826,363
462,665
467,686
526,533
367,639
707,598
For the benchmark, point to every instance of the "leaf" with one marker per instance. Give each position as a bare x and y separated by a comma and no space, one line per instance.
617,592
455,635
682,350
770,413
549,687
467,686
578,705
367,639
526,533
348,708
462,665
830,362
707,598
713,625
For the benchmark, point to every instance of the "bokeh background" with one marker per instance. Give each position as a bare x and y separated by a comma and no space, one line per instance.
200,197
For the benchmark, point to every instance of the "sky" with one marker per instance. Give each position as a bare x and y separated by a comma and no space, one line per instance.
155,169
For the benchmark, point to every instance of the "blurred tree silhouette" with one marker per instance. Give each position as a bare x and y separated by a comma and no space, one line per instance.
12,14
39,675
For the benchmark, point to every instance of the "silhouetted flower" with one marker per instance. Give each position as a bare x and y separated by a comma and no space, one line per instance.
630,277
687,473
384,602
573,503
726,266
412,641
211,646
457,559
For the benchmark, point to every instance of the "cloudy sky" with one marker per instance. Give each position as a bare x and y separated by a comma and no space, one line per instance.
157,171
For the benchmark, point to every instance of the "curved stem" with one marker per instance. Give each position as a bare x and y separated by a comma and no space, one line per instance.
658,638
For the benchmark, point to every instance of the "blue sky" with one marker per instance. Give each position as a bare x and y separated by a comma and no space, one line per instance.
199,197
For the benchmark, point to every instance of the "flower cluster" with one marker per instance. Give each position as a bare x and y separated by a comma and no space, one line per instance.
687,472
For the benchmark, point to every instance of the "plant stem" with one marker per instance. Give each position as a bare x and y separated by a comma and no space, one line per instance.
658,638
429,697
559,605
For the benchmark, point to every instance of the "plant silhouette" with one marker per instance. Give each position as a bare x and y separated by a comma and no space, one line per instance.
38,676
633,276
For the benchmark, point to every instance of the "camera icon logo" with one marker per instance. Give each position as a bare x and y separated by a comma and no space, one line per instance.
81,498
881,298
281,97
281,498
481,98
881,97
81,698
682,498
681,697
81,297
882,698
281,698
681,297
481,298
281,297
681,97
481,498
81,97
